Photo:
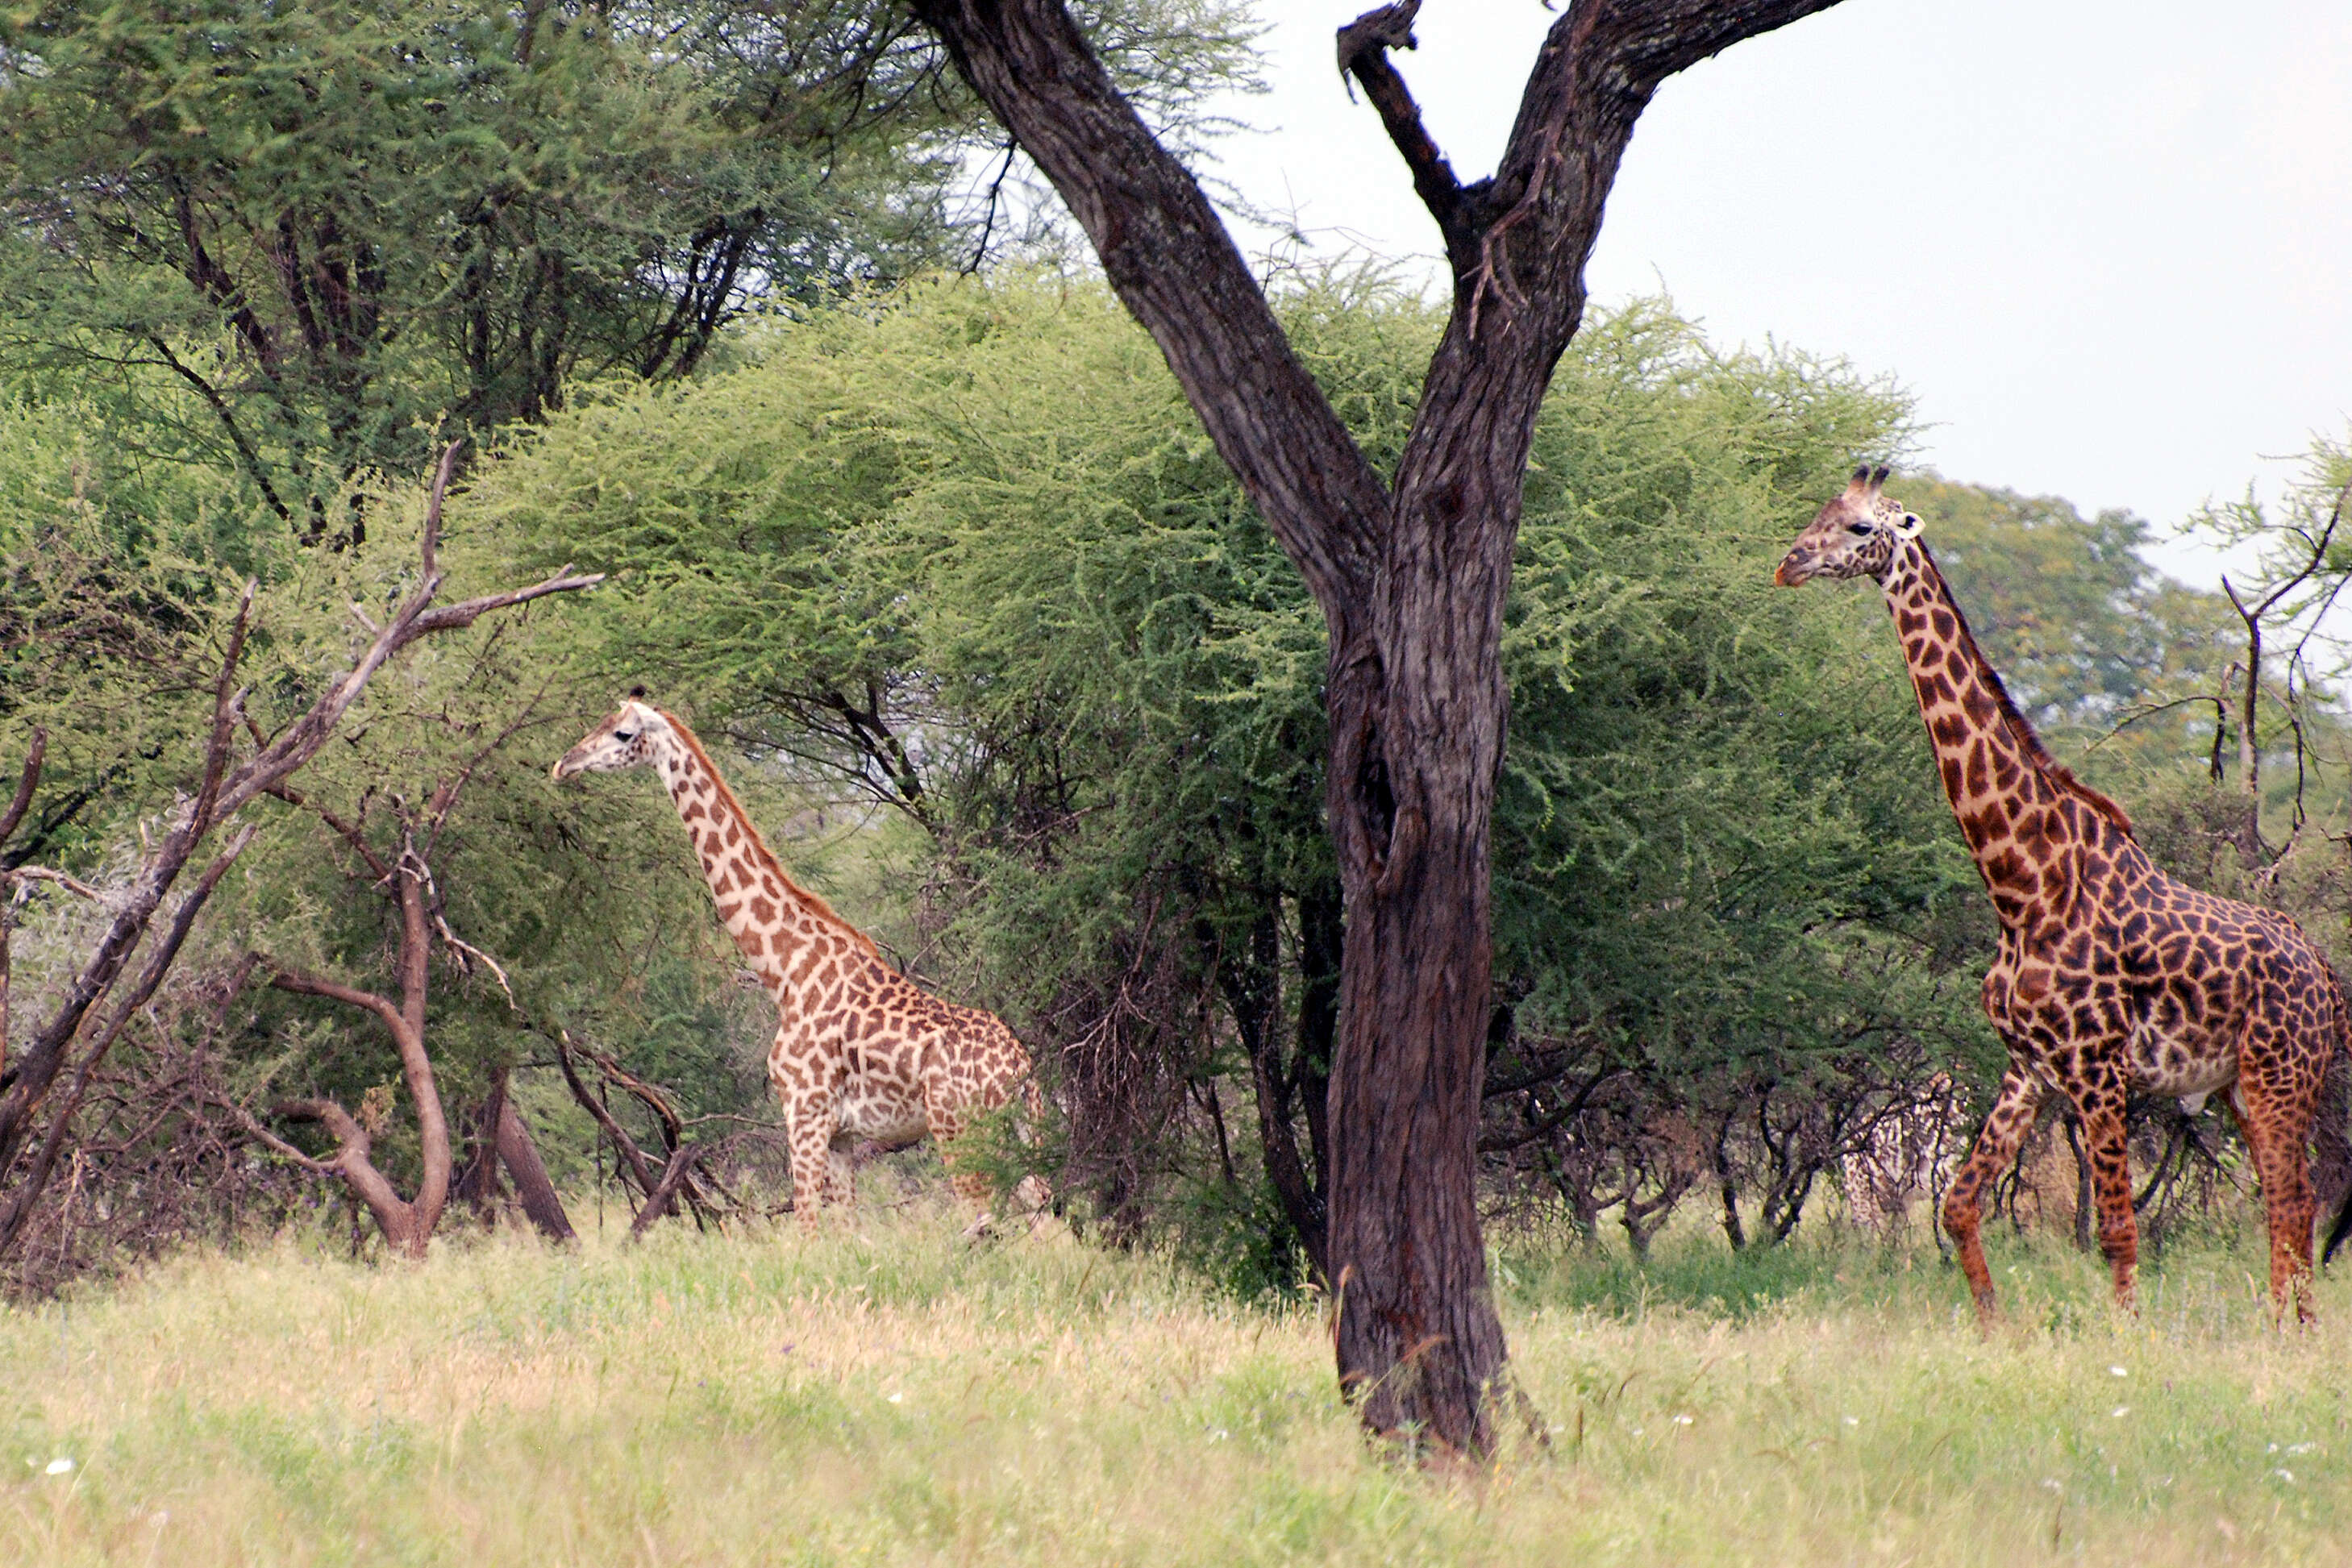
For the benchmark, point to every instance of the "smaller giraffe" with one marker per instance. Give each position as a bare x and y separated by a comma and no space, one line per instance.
861,1051
2110,975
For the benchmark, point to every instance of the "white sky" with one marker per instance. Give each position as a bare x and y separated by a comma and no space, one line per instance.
2106,246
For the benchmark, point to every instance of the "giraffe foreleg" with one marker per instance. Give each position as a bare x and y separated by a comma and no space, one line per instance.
2101,1107
2004,1130
809,1127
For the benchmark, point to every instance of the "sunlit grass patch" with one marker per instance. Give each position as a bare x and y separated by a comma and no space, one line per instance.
886,1393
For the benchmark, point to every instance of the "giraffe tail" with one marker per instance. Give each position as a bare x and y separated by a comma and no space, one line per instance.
2335,1139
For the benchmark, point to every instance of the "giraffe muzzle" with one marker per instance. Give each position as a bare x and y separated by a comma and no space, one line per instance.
1794,569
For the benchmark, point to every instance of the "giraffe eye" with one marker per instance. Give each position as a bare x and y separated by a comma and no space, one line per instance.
625,736
1861,526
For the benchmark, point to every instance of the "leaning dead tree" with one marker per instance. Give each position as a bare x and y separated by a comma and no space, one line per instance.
1411,573
227,785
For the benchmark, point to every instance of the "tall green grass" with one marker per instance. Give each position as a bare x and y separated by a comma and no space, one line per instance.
884,1392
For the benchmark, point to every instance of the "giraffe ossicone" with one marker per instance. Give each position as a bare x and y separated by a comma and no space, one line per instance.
860,1050
2110,975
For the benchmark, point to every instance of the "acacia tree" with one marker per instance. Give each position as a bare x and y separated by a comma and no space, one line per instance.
1411,574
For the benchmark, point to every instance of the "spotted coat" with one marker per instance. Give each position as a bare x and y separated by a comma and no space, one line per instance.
2110,975
860,1050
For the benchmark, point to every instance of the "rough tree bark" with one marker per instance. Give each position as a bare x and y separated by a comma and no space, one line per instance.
1411,577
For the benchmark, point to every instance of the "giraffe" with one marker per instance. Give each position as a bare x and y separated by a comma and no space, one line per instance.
860,1050
2109,975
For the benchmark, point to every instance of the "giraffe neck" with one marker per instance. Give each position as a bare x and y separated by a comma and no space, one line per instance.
2025,817
781,929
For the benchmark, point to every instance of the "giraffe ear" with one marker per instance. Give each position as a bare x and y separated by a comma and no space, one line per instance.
1860,481
1909,526
636,694
1878,478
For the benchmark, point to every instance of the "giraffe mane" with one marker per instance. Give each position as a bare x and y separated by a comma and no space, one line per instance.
2057,772
810,901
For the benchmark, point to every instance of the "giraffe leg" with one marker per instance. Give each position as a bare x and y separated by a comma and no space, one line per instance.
2275,1135
809,1126
947,1119
2102,1110
2004,1130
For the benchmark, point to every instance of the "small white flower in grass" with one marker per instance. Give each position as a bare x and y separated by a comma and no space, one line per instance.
1219,1436
2301,1448
2119,1412
2286,1476
2119,1372
2053,1484
895,1398
60,1467
1682,1420
1854,1420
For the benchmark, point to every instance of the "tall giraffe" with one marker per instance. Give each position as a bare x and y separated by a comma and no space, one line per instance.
860,1052
2110,975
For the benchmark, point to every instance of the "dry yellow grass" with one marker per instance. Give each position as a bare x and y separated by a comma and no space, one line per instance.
885,1394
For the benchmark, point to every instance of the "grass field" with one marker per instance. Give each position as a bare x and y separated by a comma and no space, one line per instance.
887,1394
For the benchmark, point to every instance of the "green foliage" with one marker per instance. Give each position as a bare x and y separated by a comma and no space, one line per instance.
300,240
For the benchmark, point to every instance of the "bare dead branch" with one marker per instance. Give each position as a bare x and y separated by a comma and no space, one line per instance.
681,1161
465,952
625,1146
348,831
43,873
1364,44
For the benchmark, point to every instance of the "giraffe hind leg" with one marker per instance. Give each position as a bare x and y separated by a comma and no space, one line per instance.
841,1172
947,1119
2275,1127
2004,1130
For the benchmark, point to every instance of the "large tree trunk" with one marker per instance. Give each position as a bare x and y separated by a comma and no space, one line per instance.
1410,580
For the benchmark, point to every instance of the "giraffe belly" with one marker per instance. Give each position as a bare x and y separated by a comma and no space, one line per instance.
889,1115
2181,1064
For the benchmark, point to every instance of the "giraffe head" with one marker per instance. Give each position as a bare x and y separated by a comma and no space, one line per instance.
632,737
1859,534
